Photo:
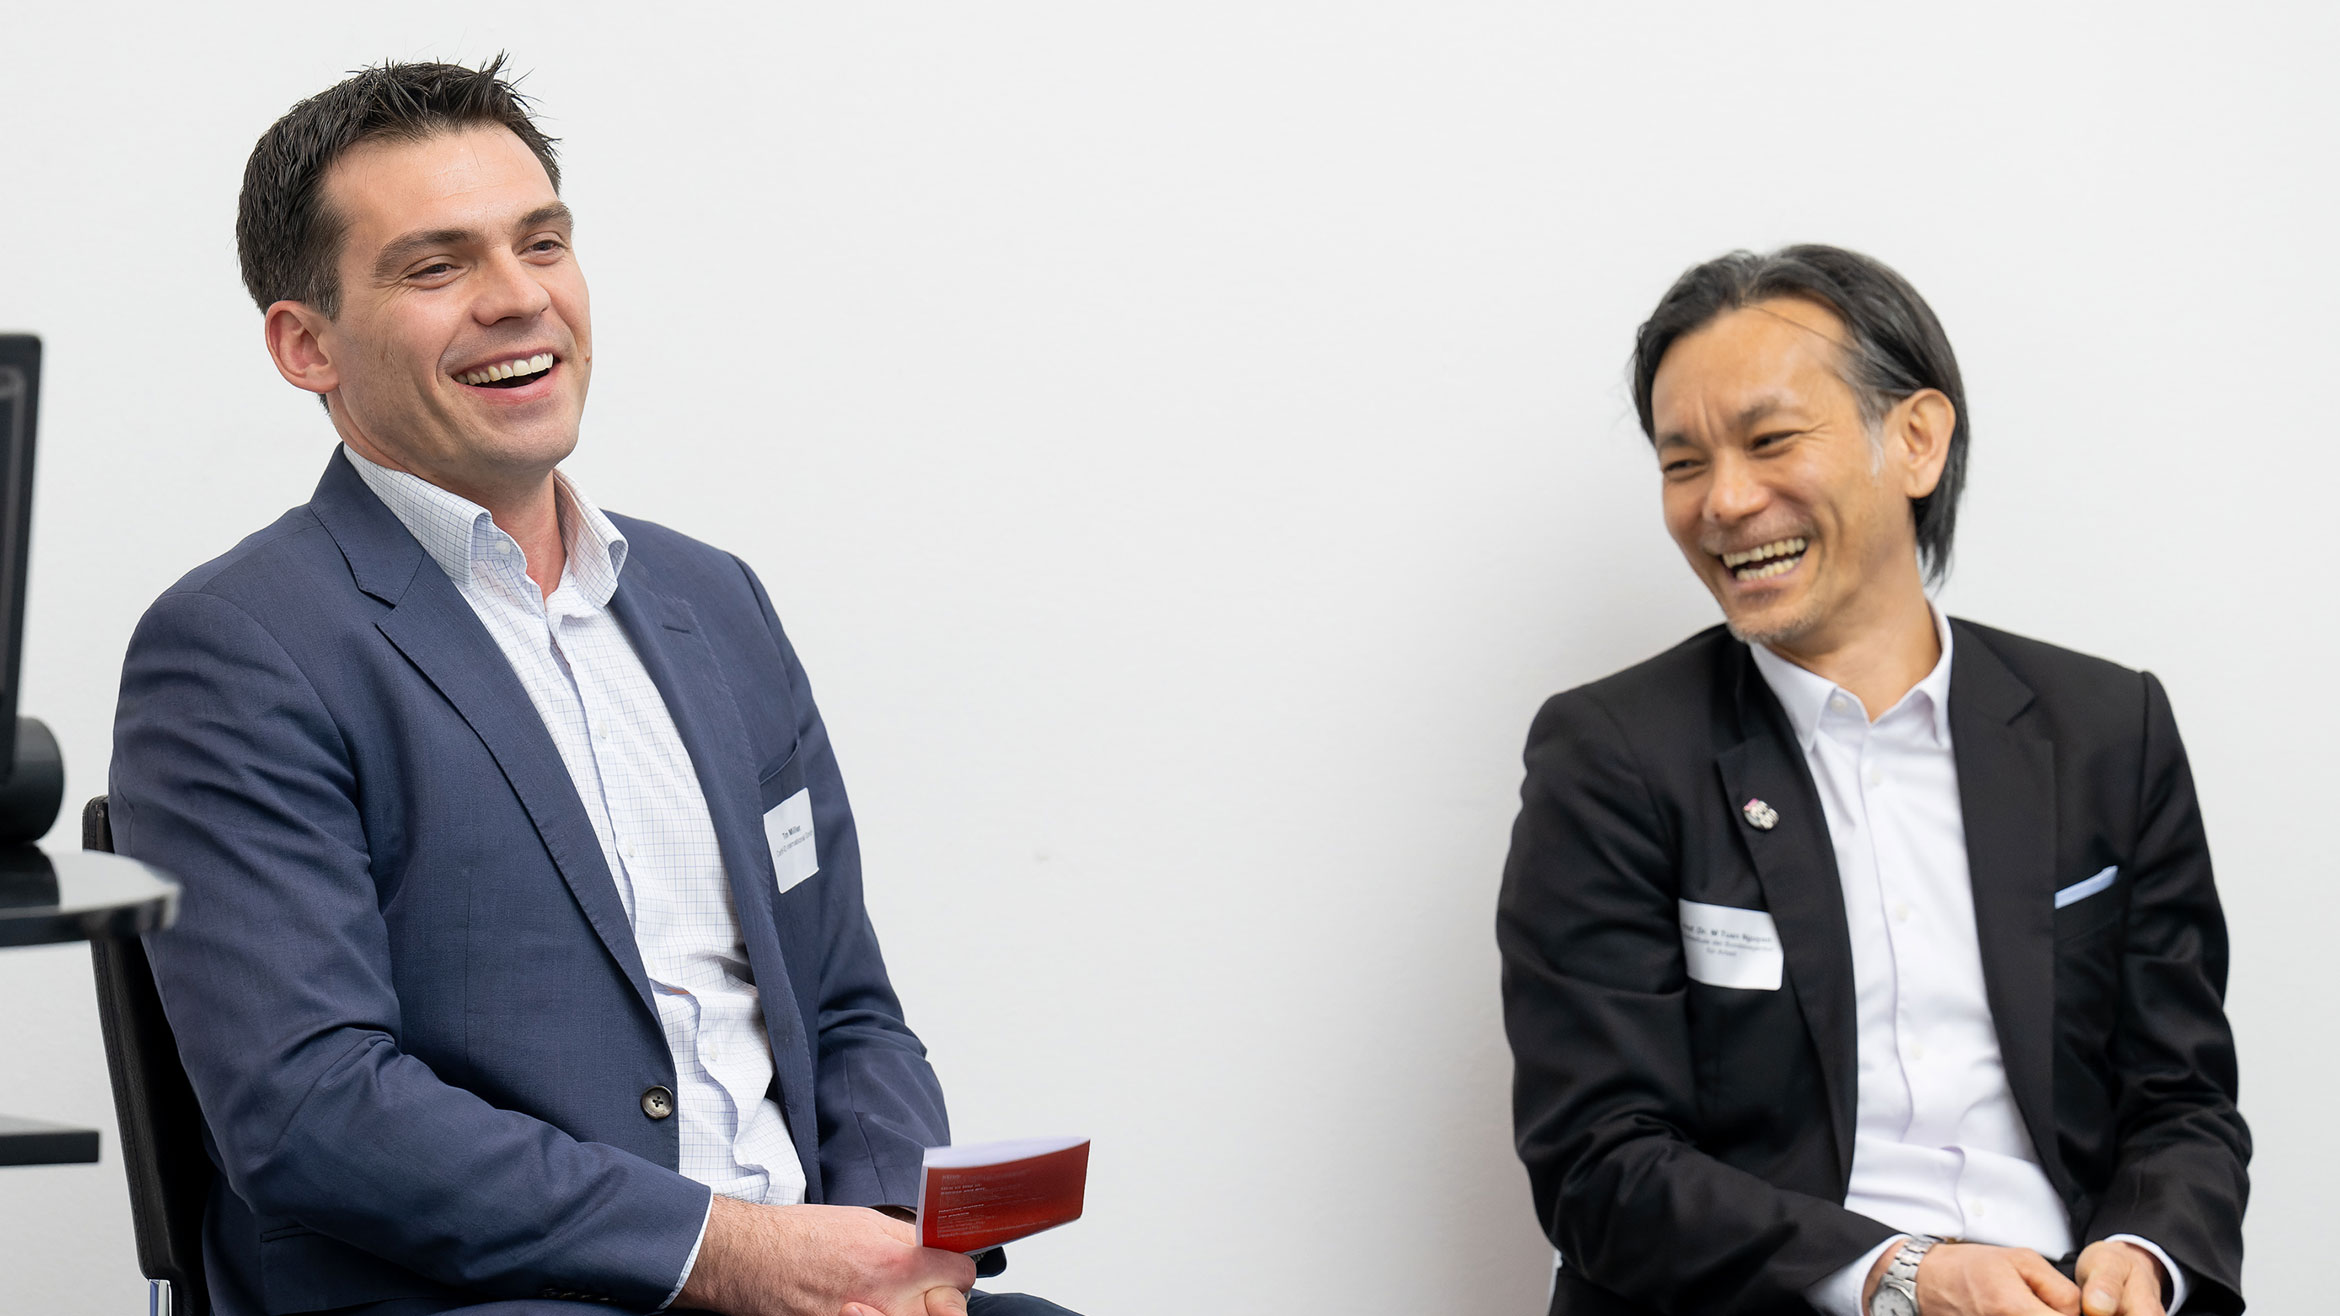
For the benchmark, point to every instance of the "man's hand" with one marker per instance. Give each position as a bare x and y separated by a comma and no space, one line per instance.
821,1261
1975,1279
939,1302
2119,1279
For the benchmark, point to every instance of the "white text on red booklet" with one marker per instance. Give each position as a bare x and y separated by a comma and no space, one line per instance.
983,1194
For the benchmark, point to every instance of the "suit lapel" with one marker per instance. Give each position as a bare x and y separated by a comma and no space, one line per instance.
1796,864
2007,794
665,633
437,631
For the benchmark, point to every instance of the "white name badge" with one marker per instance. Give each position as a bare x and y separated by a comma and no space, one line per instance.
1728,947
788,828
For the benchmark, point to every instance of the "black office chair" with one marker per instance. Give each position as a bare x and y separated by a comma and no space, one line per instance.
162,1128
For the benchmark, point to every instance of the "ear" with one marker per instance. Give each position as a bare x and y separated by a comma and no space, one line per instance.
1919,432
299,342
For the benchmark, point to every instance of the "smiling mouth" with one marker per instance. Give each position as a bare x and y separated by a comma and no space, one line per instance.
516,373
1764,561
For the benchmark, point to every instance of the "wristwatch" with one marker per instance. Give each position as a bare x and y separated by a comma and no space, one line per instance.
1897,1288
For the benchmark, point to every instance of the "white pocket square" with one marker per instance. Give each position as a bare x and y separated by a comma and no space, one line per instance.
2087,887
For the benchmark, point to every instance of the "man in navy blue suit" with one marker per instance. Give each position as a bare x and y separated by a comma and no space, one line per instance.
523,963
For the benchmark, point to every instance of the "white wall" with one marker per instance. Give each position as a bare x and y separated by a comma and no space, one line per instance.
1187,440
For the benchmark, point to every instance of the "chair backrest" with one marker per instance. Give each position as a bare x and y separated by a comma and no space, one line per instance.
162,1128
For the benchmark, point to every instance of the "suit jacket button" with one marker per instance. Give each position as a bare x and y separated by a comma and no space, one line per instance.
658,1103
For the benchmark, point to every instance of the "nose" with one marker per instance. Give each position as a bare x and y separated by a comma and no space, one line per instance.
1734,494
508,289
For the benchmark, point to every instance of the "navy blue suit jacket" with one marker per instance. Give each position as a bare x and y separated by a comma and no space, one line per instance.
402,981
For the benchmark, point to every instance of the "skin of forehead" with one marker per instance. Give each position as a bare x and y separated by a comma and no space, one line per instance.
373,185
1800,313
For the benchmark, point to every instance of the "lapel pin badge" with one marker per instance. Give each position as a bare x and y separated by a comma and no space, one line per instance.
1762,817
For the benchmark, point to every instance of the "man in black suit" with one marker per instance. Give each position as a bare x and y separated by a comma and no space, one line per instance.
1856,959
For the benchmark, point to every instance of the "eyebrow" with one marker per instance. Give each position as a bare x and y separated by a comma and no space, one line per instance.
407,246
1747,418
1761,409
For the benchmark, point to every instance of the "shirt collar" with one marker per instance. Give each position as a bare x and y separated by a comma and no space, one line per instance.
1805,693
459,534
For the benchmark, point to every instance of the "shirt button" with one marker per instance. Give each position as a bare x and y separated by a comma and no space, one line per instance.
627,849
1876,776
1917,1050
1900,912
658,1103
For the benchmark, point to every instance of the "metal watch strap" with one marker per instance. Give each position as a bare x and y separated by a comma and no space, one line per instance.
1901,1274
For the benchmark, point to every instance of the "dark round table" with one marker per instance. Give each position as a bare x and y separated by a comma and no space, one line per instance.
71,896
79,894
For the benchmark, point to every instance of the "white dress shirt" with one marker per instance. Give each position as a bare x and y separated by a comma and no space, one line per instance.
1938,1144
638,786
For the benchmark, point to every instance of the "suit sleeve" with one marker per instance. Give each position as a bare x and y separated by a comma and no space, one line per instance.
1604,1095
880,1104
2178,1175
230,774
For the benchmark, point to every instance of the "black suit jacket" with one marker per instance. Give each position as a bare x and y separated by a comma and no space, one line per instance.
1688,1146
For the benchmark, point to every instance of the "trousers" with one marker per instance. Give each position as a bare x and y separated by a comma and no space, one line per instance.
979,1303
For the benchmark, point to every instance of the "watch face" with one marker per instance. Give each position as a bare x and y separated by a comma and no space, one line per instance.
1891,1301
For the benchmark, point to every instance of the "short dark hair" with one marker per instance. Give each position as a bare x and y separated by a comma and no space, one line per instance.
1896,347
287,238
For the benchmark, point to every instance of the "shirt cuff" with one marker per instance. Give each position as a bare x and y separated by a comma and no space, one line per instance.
692,1260
2177,1277
1840,1293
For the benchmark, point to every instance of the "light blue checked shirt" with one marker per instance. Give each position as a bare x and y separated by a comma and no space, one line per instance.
635,778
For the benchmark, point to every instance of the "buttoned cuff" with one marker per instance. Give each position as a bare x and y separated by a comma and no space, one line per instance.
2177,1277
692,1260
1840,1293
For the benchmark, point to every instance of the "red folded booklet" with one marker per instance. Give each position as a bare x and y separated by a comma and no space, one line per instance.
984,1194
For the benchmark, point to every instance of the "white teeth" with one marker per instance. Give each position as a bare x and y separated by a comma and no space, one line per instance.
1783,555
1777,548
537,364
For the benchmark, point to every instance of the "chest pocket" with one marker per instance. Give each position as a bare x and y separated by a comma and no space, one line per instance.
2091,905
788,822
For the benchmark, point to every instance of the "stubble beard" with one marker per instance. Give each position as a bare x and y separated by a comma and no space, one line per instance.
1771,634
